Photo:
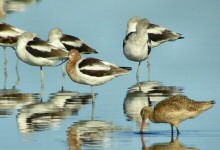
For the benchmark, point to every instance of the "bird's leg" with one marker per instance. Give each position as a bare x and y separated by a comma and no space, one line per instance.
64,76
148,67
171,131
17,72
138,76
93,94
6,57
6,67
178,132
42,75
6,75
42,83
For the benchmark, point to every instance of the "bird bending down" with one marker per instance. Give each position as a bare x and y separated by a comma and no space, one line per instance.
36,52
174,110
136,45
92,71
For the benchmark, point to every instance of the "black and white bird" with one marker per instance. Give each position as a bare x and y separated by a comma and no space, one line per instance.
69,42
9,36
136,45
157,34
36,52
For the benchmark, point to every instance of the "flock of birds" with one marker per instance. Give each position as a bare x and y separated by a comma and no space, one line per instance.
141,36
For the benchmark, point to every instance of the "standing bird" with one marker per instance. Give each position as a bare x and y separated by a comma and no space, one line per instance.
36,52
157,34
9,35
8,38
174,110
136,45
92,71
69,42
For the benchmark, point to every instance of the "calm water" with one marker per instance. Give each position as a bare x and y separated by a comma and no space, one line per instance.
66,119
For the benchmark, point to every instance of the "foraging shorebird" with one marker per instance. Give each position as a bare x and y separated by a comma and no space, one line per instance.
157,34
174,110
69,42
8,37
36,52
92,71
136,45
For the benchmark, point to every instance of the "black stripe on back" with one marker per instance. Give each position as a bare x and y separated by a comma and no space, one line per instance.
126,38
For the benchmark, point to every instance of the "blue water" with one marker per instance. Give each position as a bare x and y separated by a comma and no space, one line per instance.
66,119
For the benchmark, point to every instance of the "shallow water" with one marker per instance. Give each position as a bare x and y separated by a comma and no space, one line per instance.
64,116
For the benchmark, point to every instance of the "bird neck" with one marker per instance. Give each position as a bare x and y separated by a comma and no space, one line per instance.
152,116
131,27
142,33
53,38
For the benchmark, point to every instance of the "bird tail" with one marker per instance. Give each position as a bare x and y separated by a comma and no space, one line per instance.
121,71
212,102
127,68
180,37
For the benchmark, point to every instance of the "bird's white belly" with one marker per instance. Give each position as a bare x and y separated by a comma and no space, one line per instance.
135,53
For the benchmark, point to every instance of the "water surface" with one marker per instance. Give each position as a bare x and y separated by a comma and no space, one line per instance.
65,118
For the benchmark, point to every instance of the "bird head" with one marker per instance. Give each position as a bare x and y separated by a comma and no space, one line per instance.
74,55
26,37
145,114
55,33
142,25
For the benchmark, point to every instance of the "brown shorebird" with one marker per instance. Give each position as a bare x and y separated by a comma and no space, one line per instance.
92,71
174,110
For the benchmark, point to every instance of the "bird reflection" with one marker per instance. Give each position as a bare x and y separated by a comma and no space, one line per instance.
11,6
172,145
46,115
93,133
11,99
151,92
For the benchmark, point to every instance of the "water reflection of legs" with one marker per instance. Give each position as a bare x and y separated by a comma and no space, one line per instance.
42,92
143,143
138,76
93,111
93,102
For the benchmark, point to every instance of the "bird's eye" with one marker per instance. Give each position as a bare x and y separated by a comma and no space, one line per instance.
142,115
